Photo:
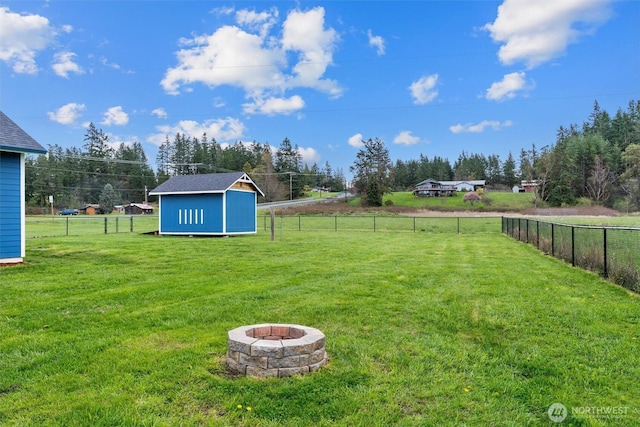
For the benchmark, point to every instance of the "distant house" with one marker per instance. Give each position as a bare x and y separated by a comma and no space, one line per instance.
469,185
138,209
433,188
211,204
91,209
460,185
529,186
14,144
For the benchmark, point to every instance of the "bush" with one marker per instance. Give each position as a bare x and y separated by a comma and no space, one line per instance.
471,197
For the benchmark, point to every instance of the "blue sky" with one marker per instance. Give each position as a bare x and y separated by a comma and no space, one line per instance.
427,77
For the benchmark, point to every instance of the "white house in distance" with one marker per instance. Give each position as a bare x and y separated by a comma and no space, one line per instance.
14,144
434,188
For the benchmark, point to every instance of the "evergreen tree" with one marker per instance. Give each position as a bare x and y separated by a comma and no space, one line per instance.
108,199
509,171
372,172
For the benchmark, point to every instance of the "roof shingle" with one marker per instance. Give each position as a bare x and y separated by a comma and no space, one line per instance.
205,183
13,138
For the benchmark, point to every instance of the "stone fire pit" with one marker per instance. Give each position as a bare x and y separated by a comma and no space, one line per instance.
275,350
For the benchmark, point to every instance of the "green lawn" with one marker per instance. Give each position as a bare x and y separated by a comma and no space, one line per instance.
495,201
422,329
610,221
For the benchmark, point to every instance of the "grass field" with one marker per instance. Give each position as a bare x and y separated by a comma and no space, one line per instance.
495,201
422,329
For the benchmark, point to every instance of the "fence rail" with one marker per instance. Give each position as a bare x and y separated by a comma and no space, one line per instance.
373,223
612,252
87,225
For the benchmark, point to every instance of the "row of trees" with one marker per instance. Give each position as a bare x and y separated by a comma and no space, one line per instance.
599,161
76,176
96,172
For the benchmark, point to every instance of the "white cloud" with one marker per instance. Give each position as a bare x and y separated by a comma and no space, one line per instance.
106,63
309,155
64,64
67,114
479,127
424,89
256,61
356,140
377,42
304,32
67,29
257,21
508,87
115,116
274,106
535,31
406,138
160,113
223,130
21,37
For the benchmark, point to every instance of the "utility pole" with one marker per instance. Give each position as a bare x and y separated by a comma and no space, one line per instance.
290,185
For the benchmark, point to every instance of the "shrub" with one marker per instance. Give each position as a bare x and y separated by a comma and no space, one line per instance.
626,275
471,197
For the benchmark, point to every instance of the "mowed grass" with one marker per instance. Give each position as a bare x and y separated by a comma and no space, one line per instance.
495,201
422,329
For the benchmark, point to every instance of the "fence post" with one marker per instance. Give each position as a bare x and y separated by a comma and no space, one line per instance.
335,223
553,252
272,214
374,223
573,246
131,223
605,272
458,225
538,234
527,241
299,223
117,228
67,226
414,224
105,225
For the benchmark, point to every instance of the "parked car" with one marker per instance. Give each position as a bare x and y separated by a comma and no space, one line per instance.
68,212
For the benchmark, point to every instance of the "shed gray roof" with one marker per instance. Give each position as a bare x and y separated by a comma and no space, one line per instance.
205,183
13,138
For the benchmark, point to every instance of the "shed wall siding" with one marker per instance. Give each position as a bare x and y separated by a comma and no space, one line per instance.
191,214
241,211
11,217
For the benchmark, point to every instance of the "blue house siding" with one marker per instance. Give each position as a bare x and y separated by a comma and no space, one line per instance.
241,211
208,204
10,205
191,214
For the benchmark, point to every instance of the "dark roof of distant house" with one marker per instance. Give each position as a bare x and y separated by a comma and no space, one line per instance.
205,183
140,205
13,138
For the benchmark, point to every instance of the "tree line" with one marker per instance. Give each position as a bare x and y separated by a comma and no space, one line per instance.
599,160
97,173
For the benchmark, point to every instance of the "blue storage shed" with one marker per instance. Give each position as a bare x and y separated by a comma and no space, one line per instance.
217,204
14,143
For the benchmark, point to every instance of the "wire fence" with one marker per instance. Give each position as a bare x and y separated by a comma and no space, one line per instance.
374,223
612,252
42,226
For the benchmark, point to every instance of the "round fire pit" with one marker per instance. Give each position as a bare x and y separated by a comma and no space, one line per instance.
275,350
